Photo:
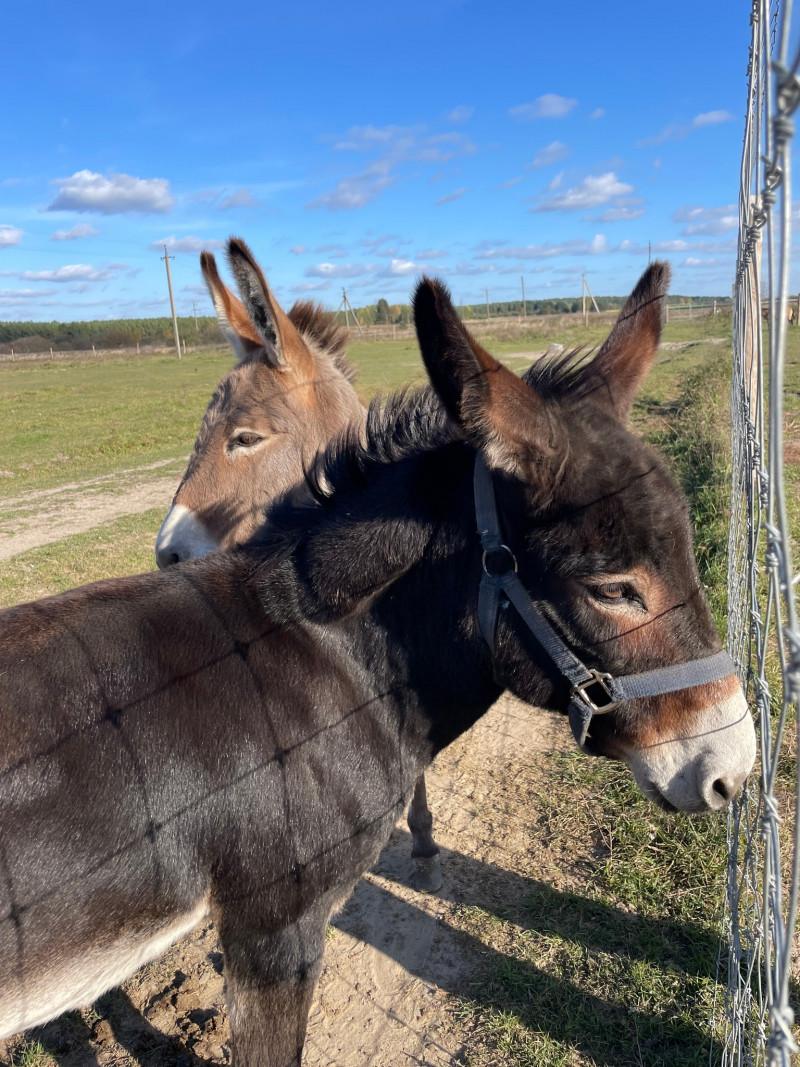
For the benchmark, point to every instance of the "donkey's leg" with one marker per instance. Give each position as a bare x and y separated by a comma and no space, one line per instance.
424,850
269,981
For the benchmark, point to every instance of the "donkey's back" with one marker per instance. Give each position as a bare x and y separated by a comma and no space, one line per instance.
128,810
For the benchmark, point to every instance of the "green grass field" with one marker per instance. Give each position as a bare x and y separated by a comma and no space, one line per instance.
637,947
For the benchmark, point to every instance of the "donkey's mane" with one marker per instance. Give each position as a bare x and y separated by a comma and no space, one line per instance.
320,329
413,421
410,422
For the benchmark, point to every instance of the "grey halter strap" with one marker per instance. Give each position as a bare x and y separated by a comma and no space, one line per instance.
593,692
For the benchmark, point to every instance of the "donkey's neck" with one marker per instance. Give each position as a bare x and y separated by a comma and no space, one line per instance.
397,575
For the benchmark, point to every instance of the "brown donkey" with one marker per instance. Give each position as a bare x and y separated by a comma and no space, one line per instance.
235,737
268,417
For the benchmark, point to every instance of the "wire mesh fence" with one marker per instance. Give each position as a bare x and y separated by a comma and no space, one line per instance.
763,634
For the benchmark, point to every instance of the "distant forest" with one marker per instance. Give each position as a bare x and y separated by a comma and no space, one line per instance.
127,333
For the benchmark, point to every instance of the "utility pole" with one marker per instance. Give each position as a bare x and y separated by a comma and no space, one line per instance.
591,294
487,304
348,310
524,312
648,253
583,298
194,312
167,257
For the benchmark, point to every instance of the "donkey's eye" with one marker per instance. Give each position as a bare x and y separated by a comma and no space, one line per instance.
246,439
612,591
616,593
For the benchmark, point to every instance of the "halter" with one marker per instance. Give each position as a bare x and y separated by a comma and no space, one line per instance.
593,692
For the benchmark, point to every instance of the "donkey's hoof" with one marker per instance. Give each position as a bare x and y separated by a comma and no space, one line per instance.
427,876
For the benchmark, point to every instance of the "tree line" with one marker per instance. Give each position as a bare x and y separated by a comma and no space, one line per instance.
385,314
106,334
204,330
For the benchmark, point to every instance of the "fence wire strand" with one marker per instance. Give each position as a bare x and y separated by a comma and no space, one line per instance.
763,636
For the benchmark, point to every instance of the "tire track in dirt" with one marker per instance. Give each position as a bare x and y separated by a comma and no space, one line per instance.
44,516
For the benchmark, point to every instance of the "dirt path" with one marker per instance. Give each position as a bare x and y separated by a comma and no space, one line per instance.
394,960
47,515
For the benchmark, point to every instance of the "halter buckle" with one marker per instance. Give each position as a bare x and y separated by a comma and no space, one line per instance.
596,692
487,552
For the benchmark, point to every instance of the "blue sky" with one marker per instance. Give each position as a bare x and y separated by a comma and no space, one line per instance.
362,144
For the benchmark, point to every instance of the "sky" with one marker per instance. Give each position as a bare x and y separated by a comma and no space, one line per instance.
360,145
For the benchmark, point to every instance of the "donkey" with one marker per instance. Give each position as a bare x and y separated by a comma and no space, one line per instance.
235,736
266,421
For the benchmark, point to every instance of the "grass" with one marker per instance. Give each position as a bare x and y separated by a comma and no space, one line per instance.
620,969
125,546
70,421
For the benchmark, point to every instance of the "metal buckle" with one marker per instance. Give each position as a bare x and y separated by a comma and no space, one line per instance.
494,552
598,687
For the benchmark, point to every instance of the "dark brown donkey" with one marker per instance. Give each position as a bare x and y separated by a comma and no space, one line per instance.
236,736
269,416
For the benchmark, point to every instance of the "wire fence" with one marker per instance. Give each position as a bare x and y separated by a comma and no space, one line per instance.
763,634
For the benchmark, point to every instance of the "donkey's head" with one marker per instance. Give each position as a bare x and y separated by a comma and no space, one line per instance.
601,536
289,394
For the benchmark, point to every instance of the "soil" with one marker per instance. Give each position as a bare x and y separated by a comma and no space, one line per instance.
43,516
394,960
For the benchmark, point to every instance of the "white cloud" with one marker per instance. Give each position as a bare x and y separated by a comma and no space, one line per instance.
401,268
467,269
10,236
676,131
591,192
678,245
432,253
626,208
395,146
553,153
298,250
555,181
115,194
460,114
577,246
241,198
549,106
338,270
83,229
310,287
190,245
75,272
13,297
598,113
707,221
455,195
375,242
711,118
356,191
510,183
205,196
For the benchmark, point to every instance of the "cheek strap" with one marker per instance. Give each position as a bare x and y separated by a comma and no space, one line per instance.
593,692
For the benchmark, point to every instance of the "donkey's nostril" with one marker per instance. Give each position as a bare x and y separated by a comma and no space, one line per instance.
166,559
724,789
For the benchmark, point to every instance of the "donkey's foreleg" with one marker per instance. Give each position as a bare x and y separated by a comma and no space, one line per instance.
269,980
424,850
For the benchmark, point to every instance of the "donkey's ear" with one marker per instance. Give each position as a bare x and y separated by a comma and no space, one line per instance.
619,368
231,315
282,345
498,412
